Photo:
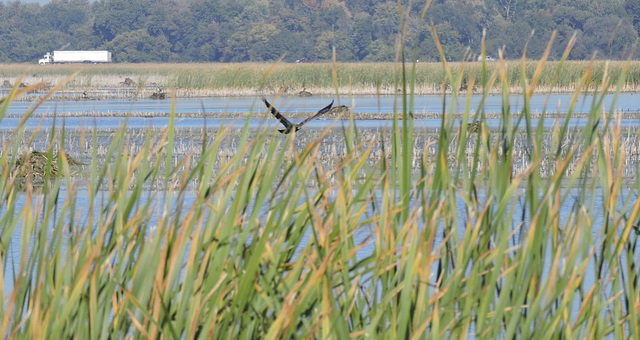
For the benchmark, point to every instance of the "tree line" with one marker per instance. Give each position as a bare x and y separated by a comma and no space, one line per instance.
294,30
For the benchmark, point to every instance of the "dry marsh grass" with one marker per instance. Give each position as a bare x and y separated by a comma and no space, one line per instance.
215,79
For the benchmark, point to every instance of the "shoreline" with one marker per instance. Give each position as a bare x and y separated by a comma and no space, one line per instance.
192,80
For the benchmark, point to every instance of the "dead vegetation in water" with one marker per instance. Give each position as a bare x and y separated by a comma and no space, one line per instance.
159,93
33,167
339,112
332,149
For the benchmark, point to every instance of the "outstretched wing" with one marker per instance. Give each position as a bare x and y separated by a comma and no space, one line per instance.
287,124
319,113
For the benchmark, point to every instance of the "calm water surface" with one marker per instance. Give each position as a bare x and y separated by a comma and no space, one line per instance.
8,124
359,104
89,112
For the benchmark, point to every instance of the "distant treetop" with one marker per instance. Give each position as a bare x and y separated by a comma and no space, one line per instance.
309,30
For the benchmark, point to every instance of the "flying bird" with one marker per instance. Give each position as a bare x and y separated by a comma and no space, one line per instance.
288,125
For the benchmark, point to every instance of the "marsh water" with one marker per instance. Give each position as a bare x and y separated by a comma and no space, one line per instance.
112,113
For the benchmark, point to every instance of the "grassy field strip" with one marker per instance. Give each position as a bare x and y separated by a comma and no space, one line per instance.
247,79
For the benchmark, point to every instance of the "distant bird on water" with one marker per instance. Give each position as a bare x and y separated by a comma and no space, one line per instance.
289,126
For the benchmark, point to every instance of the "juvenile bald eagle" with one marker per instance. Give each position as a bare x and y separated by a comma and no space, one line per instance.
288,125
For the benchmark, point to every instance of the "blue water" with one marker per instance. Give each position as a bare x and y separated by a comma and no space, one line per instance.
552,103
9,124
87,113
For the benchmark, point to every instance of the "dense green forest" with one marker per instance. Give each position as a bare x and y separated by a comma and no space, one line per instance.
359,30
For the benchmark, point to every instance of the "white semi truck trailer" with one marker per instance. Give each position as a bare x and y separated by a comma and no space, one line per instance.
61,57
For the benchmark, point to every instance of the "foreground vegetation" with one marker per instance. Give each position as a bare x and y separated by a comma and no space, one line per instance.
272,244
186,80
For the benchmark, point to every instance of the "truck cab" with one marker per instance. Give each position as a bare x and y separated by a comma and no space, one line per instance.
46,60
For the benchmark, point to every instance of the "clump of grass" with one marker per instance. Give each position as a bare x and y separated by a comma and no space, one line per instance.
32,167
272,243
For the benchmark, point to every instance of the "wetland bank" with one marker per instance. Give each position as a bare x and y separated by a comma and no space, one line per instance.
251,79
520,226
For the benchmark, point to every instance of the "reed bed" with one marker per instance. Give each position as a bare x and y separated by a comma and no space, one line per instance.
248,79
188,146
261,236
